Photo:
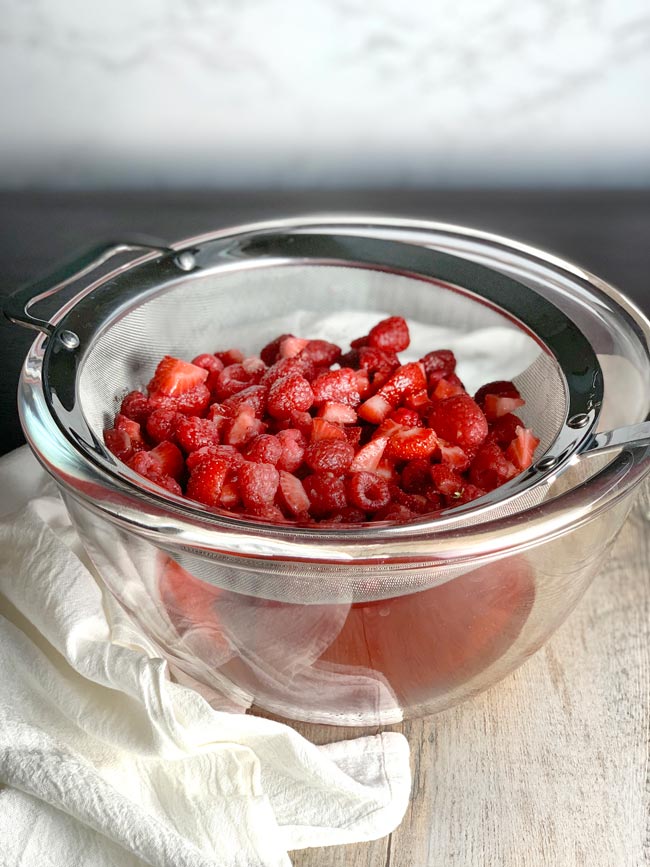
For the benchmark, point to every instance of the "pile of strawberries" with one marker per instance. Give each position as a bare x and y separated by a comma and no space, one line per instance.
308,434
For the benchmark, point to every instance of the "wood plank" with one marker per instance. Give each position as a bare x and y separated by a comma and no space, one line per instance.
549,767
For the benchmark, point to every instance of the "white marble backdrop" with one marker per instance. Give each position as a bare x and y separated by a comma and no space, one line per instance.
231,92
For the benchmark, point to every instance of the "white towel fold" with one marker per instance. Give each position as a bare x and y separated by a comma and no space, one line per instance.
104,760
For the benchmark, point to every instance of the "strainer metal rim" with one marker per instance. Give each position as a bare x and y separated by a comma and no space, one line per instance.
434,529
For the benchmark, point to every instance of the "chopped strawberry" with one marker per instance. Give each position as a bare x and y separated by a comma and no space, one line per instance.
339,413
322,429
406,380
293,494
522,449
119,443
495,406
169,459
438,365
339,386
490,468
375,409
291,346
447,388
368,457
133,429
390,334
207,479
243,427
453,456
174,376
460,421
321,353
412,443
406,417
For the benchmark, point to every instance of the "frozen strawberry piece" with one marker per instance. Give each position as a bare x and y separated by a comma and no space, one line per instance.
292,346
289,394
367,491
412,443
339,386
406,380
271,352
301,421
522,449
454,457
500,388
118,442
390,334
406,417
254,367
416,476
459,421
322,353
193,402
338,413
253,395
207,479
387,470
169,459
368,457
495,406
133,429
326,492
135,405
258,484
218,412
292,494
326,430
209,362
174,377
264,449
161,424
243,427
363,383
375,409
229,454
388,428
230,356
329,456
193,433
446,481
229,497
293,449
146,464
447,388
490,468
440,364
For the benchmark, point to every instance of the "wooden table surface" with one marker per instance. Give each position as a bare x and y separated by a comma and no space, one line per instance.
550,767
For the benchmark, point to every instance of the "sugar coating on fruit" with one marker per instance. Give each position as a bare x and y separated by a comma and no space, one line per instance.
311,433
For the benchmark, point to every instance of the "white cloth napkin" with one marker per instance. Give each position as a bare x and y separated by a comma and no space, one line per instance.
104,760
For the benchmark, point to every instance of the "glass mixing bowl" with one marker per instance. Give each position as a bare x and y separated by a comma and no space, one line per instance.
355,625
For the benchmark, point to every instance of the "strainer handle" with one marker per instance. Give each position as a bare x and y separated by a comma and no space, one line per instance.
16,308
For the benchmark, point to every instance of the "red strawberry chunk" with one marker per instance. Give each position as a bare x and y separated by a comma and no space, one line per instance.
438,365
460,421
321,353
292,494
406,417
407,380
447,481
454,457
258,484
169,459
368,457
326,430
522,449
447,388
500,388
368,491
391,334
329,456
338,413
209,362
504,429
133,429
230,356
254,395
495,406
412,443
174,376
376,360
375,409
135,405
289,394
243,427
339,386
292,346
387,470
119,443
271,352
